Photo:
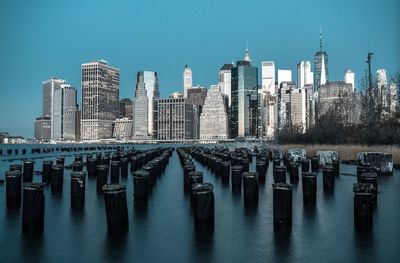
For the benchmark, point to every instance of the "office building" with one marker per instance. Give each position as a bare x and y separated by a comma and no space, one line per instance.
100,99
225,78
290,107
49,86
122,128
140,110
214,117
64,114
268,77
125,108
284,75
187,80
43,128
175,118
304,74
337,95
349,78
244,105
197,95
321,72
147,84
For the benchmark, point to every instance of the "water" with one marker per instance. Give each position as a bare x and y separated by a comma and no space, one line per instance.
165,231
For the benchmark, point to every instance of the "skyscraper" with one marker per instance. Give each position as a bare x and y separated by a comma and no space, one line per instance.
140,109
225,78
43,128
214,118
63,116
268,77
304,74
175,118
350,78
125,108
48,89
244,105
321,73
100,99
284,75
44,123
187,80
148,81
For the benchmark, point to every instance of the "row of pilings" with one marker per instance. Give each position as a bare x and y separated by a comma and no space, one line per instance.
107,169
232,167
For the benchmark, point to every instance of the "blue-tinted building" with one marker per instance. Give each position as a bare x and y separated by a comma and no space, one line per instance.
244,86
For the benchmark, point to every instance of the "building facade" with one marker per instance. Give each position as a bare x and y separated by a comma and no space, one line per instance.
244,99
147,81
321,71
268,77
349,77
64,114
175,119
125,108
225,78
100,99
140,110
187,80
337,95
122,128
197,96
214,117
290,107
43,128
304,74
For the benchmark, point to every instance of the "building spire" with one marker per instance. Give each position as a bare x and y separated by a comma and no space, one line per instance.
320,39
247,54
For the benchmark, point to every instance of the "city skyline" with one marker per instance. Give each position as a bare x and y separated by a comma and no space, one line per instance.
24,47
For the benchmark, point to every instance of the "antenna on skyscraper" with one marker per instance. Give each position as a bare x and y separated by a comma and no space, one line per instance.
320,39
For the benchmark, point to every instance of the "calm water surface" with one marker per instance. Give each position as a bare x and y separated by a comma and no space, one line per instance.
165,231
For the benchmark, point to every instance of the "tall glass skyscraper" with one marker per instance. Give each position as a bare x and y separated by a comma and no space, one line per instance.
244,86
100,99
145,110
63,117
321,72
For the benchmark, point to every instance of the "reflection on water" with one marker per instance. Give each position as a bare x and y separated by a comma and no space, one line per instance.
115,246
32,247
282,242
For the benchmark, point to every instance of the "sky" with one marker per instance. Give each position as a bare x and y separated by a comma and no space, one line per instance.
44,38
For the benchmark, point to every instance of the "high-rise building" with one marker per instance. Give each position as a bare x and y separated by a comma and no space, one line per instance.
187,80
350,78
284,75
304,74
140,110
214,118
49,86
244,105
100,99
125,108
64,114
291,107
43,128
147,81
175,118
268,77
321,72
330,93
225,78
122,128
197,95
381,81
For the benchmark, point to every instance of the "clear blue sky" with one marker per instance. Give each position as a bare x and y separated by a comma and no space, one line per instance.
40,39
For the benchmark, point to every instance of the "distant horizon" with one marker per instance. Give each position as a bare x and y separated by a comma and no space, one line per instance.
43,39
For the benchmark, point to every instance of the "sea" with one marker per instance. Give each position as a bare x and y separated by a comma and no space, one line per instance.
164,232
